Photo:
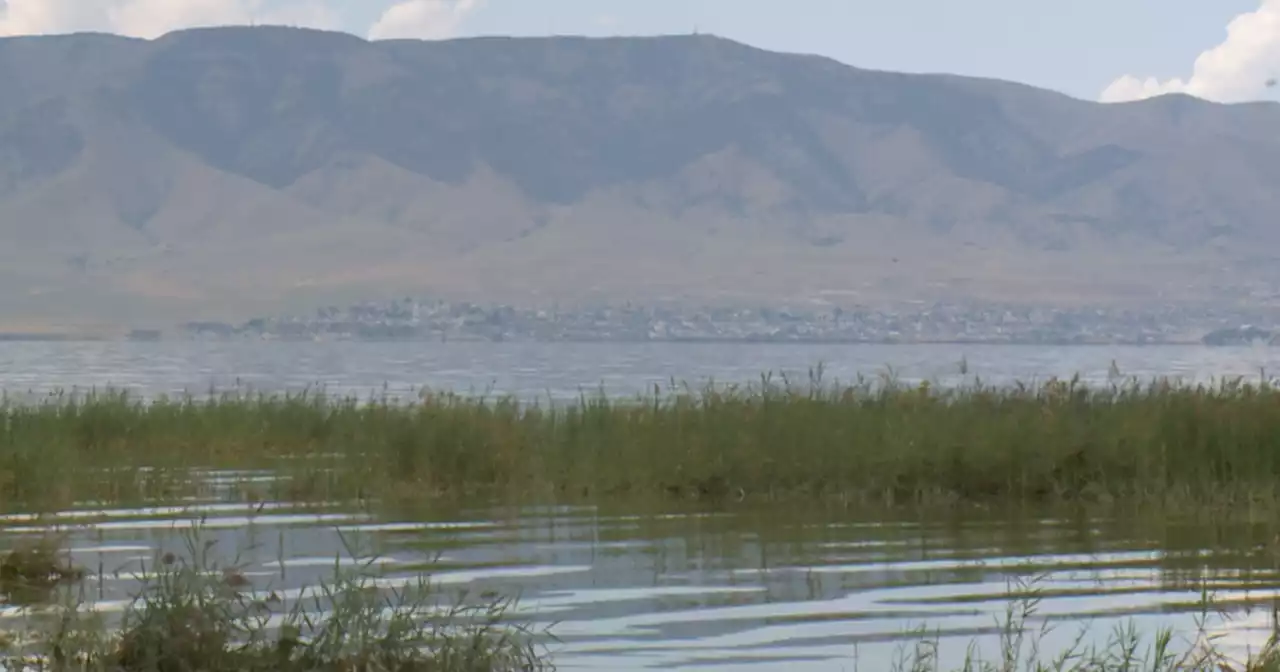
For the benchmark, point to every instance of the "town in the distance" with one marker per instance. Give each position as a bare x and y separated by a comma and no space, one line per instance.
410,319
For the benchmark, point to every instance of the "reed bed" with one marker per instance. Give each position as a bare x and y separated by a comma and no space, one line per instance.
873,441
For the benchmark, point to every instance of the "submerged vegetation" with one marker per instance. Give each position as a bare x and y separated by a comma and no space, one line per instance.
1020,646
31,571
874,441
188,615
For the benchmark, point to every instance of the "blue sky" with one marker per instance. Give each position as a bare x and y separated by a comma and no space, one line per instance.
1080,47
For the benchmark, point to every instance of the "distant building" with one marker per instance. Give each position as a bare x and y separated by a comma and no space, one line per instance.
1243,335
145,335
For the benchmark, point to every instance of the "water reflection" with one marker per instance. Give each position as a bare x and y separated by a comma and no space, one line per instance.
815,589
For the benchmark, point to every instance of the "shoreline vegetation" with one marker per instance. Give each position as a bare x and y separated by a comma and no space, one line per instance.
190,612
872,442
875,442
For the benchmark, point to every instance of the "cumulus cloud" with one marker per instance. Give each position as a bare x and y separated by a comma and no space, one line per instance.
1240,68
424,19
152,18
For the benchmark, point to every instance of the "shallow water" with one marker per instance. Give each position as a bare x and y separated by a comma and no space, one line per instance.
631,589
743,589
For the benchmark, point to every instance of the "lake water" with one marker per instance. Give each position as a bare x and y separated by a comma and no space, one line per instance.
565,370
739,588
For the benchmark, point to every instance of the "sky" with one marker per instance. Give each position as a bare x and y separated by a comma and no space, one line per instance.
1108,50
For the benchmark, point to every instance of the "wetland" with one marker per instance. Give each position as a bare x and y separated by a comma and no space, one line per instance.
919,519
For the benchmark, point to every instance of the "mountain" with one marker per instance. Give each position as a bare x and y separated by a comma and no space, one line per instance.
233,171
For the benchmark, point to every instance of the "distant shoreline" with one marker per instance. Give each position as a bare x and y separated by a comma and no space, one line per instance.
45,337
74,338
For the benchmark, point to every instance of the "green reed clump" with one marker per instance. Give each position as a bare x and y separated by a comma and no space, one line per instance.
192,614
875,440
33,569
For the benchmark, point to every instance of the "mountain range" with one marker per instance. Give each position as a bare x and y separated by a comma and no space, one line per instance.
230,172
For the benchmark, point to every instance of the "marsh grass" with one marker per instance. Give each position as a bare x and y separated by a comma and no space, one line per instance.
874,441
1020,645
190,613
31,571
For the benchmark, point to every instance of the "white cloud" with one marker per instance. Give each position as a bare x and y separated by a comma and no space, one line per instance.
1240,68
424,19
37,17
152,18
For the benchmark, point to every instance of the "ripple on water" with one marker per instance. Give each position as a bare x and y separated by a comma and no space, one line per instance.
682,589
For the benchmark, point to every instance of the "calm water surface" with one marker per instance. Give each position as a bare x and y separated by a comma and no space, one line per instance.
630,589
566,370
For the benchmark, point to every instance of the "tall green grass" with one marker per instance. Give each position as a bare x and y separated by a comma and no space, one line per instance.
868,442
191,612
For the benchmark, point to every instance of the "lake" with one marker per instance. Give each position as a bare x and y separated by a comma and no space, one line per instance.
672,585
564,370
